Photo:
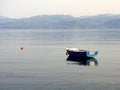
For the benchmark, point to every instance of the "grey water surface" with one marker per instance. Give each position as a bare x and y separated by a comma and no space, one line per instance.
42,64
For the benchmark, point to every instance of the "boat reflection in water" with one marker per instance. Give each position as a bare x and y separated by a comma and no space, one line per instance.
87,61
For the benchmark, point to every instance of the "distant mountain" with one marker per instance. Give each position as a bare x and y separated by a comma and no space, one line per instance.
62,22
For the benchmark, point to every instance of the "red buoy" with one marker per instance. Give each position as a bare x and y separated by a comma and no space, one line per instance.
21,48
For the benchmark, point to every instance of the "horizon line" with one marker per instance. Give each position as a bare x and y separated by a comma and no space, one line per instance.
58,14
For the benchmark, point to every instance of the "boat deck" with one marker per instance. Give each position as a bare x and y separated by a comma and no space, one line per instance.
76,50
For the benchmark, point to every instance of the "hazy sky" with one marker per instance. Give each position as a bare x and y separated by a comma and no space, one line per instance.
27,8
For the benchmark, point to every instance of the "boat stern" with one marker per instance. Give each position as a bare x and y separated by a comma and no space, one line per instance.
92,53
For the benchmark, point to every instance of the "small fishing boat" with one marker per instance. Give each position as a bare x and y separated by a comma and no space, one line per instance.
80,53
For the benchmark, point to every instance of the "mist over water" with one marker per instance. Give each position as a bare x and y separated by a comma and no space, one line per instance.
42,65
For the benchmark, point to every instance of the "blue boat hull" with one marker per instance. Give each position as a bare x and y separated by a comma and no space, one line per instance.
82,54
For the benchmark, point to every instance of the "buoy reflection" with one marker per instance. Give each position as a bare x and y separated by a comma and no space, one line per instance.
87,61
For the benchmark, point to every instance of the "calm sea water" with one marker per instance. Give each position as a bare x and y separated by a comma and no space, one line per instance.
42,65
